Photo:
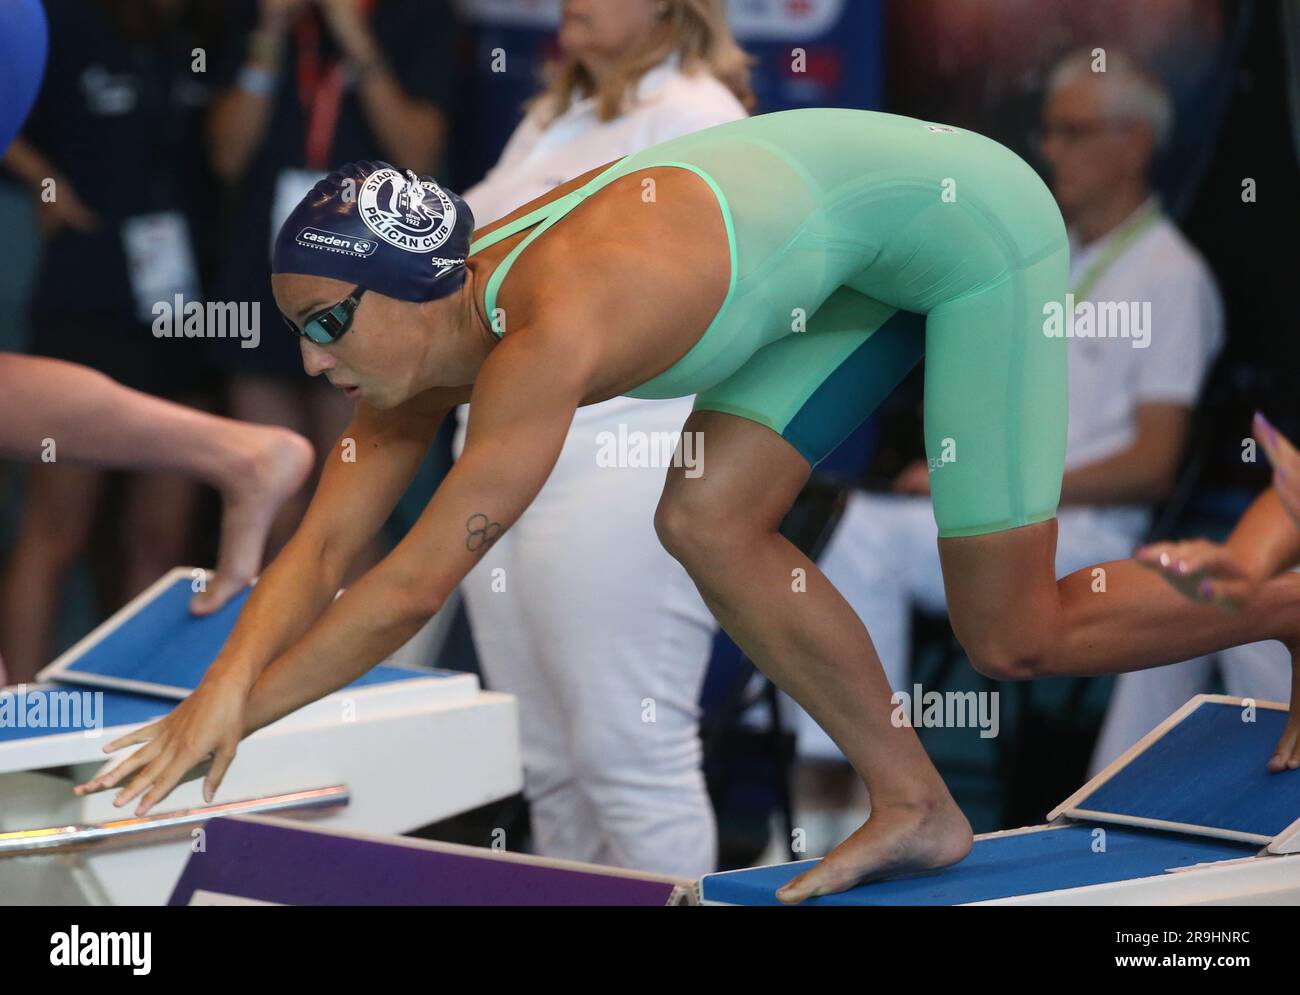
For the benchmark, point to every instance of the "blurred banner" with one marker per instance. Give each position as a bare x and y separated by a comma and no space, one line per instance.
984,66
842,62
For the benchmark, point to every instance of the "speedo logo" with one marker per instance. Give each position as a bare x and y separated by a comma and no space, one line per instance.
444,265
332,241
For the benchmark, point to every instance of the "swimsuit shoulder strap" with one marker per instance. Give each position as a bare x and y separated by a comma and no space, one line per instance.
542,217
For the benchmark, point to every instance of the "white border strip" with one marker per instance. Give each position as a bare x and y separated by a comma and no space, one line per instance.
1186,828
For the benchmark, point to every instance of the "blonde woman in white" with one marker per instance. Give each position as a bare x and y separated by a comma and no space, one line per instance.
578,610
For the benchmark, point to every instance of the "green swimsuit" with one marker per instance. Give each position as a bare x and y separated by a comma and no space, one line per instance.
859,242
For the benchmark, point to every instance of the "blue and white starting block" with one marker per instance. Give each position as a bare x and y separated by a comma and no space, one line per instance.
394,751
1190,815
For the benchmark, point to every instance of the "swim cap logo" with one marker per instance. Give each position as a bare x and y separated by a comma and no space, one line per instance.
405,212
332,241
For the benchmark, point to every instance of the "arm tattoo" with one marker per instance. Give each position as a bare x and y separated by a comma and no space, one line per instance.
482,532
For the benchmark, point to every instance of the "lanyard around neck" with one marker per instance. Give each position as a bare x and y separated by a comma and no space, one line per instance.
1120,240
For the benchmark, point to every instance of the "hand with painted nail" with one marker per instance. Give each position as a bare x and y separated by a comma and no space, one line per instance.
1286,464
1203,571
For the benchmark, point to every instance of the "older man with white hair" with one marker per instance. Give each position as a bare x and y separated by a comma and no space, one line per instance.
1145,326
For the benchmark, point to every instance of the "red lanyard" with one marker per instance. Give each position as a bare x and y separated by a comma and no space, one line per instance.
320,88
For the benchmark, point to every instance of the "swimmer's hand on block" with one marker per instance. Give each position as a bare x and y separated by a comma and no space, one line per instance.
93,786
205,728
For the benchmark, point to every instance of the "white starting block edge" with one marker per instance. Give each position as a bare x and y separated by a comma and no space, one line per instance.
373,701
685,891
1285,842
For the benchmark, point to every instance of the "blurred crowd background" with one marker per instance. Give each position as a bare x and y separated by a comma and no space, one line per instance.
179,133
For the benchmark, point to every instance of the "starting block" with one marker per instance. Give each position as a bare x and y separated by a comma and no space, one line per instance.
154,646
396,750
1189,815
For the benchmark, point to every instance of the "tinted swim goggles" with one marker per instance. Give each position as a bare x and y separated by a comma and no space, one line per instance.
329,324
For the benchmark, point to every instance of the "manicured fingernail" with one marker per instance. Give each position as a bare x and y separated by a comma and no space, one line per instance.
1182,566
1164,559
1267,425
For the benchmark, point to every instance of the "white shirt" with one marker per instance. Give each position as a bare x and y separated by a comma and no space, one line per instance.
1109,377
666,103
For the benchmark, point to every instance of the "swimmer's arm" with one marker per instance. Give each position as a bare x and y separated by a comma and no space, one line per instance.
1141,473
364,476
1265,541
522,406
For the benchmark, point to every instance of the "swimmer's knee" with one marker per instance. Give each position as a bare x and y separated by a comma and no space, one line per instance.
677,530
1001,660
1000,652
696,530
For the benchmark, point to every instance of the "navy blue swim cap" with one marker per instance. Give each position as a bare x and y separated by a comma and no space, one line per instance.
389,231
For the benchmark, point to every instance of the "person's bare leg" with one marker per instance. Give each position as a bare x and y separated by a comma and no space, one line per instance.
58,513
783,612
1017,621
266,400
90,418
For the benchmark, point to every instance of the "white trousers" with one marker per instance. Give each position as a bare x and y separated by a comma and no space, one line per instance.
579,612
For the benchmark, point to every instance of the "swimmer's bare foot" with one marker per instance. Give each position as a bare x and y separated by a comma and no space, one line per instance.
271,465
897,839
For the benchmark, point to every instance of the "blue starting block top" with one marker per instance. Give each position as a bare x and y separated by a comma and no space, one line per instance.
1197,791
1207,772
155,645
28,713
1003,866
